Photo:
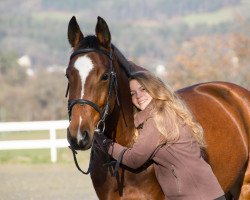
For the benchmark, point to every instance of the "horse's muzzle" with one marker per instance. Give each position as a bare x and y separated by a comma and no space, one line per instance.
80,143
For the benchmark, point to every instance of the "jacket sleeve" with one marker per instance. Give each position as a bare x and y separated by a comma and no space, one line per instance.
146,143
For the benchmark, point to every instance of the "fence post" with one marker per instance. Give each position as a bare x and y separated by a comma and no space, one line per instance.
53,150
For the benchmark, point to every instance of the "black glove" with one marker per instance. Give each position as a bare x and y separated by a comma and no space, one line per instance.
102,141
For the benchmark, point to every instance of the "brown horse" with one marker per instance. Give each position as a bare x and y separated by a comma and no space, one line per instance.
99,94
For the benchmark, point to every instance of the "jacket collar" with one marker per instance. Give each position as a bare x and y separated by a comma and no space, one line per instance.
141,116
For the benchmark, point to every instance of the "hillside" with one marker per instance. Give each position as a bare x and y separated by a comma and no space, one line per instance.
39,27
192,41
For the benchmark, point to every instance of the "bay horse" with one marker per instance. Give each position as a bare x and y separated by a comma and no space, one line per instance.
99,93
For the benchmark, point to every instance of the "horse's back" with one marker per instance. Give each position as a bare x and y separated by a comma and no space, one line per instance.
212,97
223,110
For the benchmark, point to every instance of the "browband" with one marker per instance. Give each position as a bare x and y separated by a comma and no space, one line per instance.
80,51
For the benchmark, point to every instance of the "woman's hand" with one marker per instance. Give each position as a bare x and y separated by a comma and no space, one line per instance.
102,141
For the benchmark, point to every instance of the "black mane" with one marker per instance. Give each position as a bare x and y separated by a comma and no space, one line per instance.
122,61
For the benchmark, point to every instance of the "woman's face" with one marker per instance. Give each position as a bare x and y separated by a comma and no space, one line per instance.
140,97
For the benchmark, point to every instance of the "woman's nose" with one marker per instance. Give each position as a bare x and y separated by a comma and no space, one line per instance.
138,95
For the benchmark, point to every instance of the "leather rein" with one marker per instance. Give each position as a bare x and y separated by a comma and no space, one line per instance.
100,127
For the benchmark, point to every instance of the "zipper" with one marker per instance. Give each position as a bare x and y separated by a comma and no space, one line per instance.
176,179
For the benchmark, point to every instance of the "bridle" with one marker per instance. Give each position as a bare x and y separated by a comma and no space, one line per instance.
100,127
112,85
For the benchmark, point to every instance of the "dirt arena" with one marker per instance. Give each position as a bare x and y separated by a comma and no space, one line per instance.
44,182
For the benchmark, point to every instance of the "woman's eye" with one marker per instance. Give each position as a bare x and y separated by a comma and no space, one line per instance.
105,77
132,93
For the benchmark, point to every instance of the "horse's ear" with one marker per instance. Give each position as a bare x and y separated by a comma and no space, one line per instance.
102,32
74,33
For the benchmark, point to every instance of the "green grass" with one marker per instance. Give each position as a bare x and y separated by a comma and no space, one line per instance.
25,156
24,135
212,18
30,135
217,17
41,156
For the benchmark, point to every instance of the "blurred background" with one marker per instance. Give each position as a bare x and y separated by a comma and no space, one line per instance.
186,42
183,42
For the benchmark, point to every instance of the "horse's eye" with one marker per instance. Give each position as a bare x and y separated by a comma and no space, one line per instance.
105,77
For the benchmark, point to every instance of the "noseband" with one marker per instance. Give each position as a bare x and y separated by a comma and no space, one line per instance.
112,84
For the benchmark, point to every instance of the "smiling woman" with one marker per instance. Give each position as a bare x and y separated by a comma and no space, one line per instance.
140,96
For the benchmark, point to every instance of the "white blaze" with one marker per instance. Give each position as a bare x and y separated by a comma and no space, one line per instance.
84,65
79,135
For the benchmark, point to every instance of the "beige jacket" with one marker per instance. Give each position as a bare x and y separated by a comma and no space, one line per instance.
180,169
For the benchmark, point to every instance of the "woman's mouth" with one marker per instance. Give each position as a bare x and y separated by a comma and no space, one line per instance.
141,102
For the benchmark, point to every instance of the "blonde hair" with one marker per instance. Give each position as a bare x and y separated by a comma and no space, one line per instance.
167,103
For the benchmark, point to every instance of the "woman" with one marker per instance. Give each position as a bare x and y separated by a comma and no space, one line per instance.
170,137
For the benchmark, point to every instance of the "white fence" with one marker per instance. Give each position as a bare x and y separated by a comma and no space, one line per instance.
51,143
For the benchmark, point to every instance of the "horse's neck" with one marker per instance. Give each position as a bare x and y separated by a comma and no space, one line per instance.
125,127
125,124
124,130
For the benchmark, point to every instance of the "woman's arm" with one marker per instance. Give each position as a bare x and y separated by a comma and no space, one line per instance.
142,149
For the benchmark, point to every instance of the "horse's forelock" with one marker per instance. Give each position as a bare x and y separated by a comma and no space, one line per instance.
89,41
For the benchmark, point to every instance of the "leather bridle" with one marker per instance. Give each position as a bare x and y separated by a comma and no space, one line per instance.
112,85
100,127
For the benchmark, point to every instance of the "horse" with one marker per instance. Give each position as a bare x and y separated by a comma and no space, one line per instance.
99,97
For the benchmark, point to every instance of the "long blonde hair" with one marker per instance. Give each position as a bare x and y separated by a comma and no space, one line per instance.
167,103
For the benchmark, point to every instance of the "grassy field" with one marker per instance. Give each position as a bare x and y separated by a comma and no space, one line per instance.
219,16
30,135
212,18
40,156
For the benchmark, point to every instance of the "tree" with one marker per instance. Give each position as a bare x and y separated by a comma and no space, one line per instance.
210,58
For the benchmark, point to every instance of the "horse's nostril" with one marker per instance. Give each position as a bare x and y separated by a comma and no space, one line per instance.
85,134
84,140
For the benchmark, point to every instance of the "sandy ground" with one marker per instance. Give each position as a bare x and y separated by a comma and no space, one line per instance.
44,182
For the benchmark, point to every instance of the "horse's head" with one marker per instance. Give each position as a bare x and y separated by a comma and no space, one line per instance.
91,83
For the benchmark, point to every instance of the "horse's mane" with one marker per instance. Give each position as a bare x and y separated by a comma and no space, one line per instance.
128,66
125,64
